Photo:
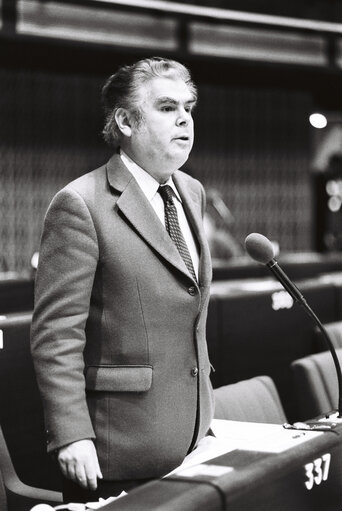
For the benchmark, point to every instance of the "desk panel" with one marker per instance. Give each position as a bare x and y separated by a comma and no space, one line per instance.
299,266
257,480
16,293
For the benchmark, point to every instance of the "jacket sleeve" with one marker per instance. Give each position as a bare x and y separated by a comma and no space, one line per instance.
67,263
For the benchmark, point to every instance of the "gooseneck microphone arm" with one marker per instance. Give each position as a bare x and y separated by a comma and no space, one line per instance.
285,281
261,250
331,347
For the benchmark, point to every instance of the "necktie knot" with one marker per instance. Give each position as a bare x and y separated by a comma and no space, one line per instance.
166,193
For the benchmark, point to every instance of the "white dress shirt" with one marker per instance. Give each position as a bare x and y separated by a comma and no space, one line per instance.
150,186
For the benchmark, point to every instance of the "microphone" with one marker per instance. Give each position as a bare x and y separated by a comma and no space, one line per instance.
261,250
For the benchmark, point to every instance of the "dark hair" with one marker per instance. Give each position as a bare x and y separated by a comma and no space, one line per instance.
120,90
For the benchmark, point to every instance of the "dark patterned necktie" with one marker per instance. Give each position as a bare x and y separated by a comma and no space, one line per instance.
172,227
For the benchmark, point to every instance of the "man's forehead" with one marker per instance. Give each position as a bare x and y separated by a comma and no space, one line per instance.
167,89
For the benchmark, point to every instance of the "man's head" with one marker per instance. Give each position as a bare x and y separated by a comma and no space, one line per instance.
148,113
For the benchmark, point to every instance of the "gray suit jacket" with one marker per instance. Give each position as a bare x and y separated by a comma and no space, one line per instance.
118,332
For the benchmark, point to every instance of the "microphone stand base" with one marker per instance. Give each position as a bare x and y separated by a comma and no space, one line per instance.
326,422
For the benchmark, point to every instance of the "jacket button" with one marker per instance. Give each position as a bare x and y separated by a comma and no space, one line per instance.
192,290
194,371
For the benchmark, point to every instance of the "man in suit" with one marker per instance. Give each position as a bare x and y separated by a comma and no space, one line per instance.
121,297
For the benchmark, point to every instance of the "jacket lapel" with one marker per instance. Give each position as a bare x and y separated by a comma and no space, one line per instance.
140,214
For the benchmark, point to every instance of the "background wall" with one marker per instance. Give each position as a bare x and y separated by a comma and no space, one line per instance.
49,135
252,144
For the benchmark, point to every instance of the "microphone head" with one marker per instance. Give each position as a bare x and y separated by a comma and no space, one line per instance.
259,247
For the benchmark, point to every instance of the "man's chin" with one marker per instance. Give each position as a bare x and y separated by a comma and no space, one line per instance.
180,158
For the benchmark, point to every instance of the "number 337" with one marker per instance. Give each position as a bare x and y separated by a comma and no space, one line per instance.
317,471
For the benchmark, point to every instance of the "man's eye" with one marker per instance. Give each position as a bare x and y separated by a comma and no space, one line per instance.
167,109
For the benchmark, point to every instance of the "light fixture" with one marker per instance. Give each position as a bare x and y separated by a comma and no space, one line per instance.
318,120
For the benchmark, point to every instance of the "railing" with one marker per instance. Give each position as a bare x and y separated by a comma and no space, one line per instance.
186,16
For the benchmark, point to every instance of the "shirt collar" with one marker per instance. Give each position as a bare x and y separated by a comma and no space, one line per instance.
147,183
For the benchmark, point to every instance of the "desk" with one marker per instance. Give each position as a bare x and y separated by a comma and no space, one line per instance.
268,469
298,266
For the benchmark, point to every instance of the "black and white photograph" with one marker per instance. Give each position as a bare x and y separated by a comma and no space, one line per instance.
170,255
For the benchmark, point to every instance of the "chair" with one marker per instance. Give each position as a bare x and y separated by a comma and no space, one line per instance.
334,330
24,464
3,497
15,495
253,400
316,383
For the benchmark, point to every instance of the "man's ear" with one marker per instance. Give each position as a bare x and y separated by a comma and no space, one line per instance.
123,120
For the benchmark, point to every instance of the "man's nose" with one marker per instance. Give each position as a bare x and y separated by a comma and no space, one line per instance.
183,118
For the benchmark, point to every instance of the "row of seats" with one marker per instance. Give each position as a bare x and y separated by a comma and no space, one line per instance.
255,328
257,399
315,378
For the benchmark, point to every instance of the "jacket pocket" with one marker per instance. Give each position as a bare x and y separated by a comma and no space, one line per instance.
118,378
